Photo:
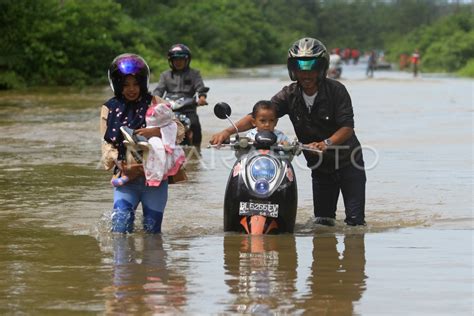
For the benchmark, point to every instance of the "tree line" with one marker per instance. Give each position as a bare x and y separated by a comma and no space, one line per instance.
71,42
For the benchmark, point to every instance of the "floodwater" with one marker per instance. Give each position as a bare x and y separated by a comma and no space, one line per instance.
415,256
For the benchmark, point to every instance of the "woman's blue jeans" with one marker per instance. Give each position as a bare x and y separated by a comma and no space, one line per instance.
126,200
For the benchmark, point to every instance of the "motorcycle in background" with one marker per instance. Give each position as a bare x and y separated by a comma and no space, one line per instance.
182,106
335,66
261,194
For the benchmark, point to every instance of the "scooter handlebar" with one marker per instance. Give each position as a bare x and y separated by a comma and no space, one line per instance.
307,148
243,143
178,103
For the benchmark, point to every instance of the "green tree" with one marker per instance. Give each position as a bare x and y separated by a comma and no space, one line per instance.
222,31
68,42
73,41
19,21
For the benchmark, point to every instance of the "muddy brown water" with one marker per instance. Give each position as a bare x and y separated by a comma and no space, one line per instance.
415,256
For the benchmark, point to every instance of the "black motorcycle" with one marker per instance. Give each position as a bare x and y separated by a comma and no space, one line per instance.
185,111
261,194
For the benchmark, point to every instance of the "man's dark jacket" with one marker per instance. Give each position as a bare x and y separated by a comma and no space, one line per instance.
182,83
332,109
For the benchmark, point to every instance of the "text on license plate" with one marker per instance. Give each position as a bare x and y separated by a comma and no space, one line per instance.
264,209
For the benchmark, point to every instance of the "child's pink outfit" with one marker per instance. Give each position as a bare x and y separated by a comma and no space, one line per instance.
164,157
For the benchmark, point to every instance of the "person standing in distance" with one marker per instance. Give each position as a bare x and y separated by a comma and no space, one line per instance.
415,61
320,110
184,81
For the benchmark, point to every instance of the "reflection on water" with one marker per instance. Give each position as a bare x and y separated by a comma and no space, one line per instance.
262,274
144,278
337,279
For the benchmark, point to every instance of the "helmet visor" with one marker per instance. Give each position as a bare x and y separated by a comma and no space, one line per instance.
180,56
303,64
130,65
309,64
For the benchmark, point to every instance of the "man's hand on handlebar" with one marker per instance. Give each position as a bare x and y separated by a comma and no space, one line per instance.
318,145
219,138
202,100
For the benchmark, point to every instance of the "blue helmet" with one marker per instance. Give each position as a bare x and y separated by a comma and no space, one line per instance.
128,64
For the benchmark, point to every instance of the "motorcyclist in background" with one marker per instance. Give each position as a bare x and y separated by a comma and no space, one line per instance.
184,81
335,66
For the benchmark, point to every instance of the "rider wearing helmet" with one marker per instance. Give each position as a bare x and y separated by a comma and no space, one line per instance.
129,76
128,64
183,81
320,110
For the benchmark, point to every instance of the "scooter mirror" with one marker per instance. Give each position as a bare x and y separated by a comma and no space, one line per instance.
222,110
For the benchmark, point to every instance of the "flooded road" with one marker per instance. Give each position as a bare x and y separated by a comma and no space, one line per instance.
415,256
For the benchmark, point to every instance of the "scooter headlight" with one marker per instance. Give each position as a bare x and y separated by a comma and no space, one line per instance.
263,175
262,187
263,168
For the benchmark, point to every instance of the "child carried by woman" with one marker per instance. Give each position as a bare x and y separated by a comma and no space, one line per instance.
161,157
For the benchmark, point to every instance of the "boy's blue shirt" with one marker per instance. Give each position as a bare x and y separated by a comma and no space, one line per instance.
281,137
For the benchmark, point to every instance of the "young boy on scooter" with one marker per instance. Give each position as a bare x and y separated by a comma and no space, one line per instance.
265,118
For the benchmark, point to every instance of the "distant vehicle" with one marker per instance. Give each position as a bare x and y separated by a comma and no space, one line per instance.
182,106
381,63
335,66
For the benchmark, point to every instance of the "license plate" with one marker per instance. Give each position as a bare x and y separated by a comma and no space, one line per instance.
264,209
